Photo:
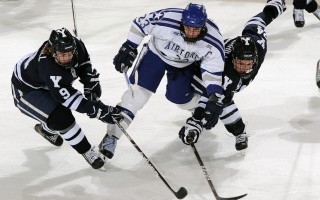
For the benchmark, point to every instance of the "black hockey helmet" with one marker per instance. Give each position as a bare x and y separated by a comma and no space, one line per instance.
244,48
61,40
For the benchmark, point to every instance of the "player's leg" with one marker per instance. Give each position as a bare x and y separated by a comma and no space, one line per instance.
312,7
232,120
55,119
146,80
298,15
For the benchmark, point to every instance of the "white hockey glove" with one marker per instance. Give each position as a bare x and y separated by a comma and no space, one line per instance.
190,132
277,7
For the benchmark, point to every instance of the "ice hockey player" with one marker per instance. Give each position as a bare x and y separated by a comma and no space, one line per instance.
42,89
311,6
179,37
244,57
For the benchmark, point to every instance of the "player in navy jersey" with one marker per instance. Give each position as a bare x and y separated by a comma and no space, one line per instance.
42,89
311,6
244,56
178,37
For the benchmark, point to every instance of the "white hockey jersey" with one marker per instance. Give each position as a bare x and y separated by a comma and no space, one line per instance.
167,42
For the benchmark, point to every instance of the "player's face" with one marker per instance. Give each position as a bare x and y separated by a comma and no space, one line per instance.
64,58
191,32
243,66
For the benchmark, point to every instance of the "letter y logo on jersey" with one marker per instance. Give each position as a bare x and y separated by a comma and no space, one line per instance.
55,80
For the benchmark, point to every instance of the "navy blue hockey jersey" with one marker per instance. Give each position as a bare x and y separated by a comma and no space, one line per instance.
40,71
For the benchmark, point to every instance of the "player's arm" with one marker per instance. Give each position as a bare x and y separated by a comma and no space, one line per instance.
61,89
140,28
89,76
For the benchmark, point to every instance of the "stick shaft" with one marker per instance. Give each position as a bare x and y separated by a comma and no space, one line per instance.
74,19
144,156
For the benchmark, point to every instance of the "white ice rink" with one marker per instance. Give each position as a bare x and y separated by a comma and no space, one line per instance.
281,109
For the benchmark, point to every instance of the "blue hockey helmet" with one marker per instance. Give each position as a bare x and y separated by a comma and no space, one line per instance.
194,15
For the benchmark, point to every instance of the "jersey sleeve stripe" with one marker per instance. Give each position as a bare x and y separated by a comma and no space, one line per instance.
73,101
84,63
256,21
175,10
215,39
211,23
18,68
170,25
138,26
214,89
169,20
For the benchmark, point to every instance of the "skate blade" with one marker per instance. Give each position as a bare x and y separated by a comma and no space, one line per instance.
104,158
102,169
243,152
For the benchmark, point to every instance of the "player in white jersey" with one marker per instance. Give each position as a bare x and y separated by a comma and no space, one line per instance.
244,56
311,6
179,37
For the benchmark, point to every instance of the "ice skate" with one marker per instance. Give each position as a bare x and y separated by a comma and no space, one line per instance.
298,18
93,158
108,146
53,138
242,143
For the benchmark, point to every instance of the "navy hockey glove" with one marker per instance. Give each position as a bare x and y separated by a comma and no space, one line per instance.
125,57
276,7
105,113
91,84
212,113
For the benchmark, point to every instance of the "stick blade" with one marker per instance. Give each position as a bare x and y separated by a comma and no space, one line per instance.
182,193
232,198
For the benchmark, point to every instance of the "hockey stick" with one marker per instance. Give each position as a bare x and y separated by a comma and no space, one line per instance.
74,19
318,74
206,174
181,193
125,74
125,68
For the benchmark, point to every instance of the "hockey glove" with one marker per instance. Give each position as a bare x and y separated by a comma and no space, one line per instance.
276,7
91,84
125,57
190,132
105,113
212,112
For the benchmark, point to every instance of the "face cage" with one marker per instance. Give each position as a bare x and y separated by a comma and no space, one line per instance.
68,65
192,40
249,72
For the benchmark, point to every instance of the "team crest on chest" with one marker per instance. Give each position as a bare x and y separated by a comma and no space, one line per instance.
74,74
